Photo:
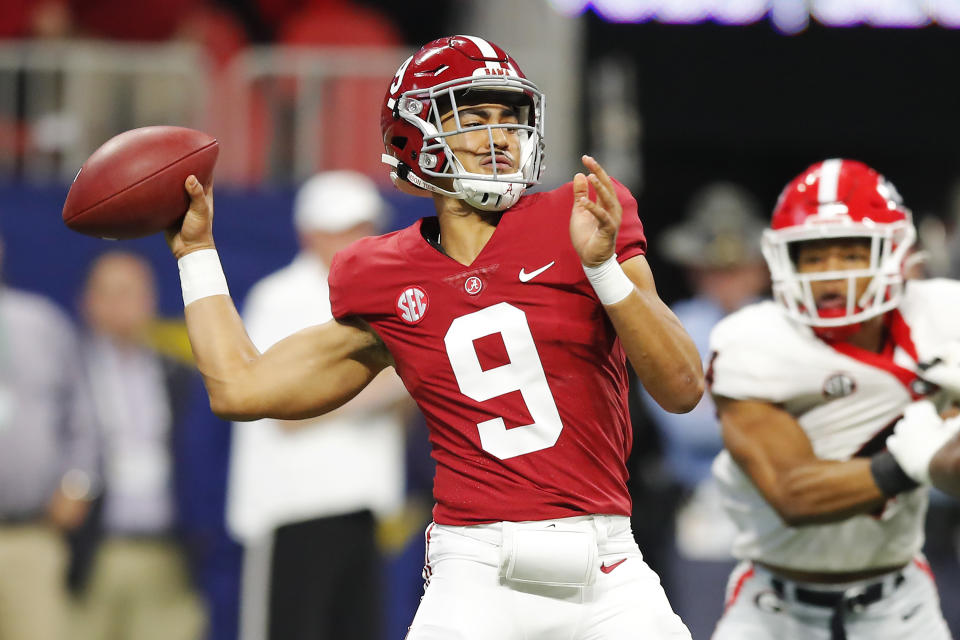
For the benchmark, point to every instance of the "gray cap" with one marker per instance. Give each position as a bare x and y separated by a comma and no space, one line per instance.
334,201
722,228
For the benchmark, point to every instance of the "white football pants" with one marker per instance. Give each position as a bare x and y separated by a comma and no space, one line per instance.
909,608
466,598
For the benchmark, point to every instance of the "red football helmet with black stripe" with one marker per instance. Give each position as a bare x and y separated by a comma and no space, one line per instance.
839,198
428,85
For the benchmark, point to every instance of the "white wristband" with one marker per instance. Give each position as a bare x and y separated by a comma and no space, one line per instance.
609,281
201,276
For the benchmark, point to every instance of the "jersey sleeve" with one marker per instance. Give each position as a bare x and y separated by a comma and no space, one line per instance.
755,356
348,295
630,239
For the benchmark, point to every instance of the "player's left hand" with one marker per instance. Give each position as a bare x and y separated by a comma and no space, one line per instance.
944,369
918,436
594,225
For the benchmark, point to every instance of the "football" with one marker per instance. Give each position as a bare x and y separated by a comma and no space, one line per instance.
132,186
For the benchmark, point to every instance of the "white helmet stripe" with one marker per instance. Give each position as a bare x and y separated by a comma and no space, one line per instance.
486,50
829,180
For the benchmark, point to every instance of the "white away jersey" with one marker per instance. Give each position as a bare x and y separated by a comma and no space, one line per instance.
847,403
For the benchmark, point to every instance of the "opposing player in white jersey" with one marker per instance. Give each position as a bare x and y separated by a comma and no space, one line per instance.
509,319
829,508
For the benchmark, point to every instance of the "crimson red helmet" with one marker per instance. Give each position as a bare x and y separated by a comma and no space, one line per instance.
426,86
839,198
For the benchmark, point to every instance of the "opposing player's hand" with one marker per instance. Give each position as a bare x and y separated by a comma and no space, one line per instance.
594,225
195,230
918,436
944,369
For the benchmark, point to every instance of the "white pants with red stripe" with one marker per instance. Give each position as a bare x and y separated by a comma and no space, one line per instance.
759,609
466,597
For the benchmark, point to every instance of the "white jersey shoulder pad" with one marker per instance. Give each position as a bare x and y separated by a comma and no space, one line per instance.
758,353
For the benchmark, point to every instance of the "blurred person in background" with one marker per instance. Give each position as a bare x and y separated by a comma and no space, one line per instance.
138,585
305,496
718,246
834,400
48,470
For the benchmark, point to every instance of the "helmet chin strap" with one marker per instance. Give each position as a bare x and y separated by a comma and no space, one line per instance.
838,333
403,176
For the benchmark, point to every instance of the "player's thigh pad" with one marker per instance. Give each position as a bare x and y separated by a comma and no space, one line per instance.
629,603
753,611
463,597
911,611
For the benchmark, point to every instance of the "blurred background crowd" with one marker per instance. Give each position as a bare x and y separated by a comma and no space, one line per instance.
128,512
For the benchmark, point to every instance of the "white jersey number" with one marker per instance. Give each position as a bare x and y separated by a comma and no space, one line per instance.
524,373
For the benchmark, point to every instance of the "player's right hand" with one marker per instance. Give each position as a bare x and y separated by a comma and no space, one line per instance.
918,436
195,231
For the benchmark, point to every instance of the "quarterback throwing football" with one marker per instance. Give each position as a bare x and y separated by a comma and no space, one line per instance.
509,318
830,400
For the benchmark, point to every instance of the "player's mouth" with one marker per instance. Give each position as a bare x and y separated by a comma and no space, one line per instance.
503,162
831,301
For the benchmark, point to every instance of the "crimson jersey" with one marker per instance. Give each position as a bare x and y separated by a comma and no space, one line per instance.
512,360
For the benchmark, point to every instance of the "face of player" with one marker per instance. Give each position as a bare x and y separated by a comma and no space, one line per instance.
473,148
119,300
841,254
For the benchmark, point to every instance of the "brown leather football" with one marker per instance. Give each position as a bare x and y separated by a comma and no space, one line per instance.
132,186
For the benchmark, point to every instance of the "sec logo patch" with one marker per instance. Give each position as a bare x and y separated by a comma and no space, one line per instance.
839,385
412,304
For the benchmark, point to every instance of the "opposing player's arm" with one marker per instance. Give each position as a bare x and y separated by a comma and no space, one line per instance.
659,348
945,467
771,447
661,351
305,375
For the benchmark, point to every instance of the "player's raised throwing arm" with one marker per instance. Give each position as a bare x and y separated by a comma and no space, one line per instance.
307,374
663,355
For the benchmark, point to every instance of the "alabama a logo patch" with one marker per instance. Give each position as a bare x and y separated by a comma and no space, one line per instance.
412,304
473,285
838,385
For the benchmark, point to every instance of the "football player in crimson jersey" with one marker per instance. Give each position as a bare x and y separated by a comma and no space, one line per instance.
830,399
509,318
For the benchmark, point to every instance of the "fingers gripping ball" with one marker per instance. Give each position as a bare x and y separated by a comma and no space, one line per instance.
918,436
132,186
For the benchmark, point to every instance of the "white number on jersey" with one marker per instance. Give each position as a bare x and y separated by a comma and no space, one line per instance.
524,373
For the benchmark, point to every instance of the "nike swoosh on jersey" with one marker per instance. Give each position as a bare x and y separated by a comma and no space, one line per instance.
527,277
608,568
